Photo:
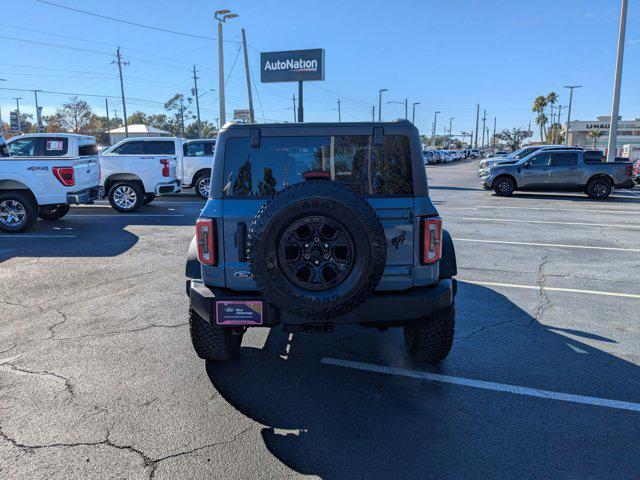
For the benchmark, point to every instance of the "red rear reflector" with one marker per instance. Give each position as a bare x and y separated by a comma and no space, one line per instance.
431,230
165,167
207,241
65,175
316,175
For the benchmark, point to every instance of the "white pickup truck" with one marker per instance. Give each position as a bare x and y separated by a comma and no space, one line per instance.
193,157
42,173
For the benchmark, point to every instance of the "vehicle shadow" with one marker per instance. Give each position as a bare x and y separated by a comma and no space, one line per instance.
570,197
95,231
337,423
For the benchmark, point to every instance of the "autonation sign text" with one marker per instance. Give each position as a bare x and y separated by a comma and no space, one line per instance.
292,65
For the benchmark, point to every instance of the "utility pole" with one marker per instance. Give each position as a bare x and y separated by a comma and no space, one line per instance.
294,108
17,99
339,115
477,121
181,117
484,121
406,109
106,107
552,118
248,74
380,92
558,123
300,103
566,133
373,113
222,16
124,105
615,107
450,123
435,122
38,112
493,139
195,94
413,115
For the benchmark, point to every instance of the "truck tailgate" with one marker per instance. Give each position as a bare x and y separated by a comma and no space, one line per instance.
87,173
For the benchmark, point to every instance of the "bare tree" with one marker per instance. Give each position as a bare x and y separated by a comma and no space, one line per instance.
75,116
513,138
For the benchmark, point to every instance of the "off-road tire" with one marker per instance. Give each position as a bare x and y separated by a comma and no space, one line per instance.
431,341
337,203
53,212
599,188
213,343
504,186
30,211
148,198
137,192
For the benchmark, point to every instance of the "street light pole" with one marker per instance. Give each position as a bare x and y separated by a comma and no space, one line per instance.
435,123
477,122
558,121
413,115
406,109
450,123
222,16
566,133
484,121
380,92
615,107
339,114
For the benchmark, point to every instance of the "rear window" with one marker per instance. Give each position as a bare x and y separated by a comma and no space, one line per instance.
88,150
370,170
54,147
199,149
159,148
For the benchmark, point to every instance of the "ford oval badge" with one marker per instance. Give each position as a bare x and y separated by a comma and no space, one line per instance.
243,274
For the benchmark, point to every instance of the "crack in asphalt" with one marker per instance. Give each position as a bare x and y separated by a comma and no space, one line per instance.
45,373
148,462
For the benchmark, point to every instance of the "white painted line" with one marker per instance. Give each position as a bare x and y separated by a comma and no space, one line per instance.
557,245
586,210
36,236
118,215
611,225
553,289
497,387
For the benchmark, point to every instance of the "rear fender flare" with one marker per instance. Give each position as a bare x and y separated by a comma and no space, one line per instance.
192,269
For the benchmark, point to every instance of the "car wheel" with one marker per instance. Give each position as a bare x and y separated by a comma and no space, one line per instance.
431,341
148,198
126,197
213,343
504,186
317,250
599,188
53,212
202,186
18,212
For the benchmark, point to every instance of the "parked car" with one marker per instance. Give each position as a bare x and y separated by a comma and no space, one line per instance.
136,170
429,157
42,174
194,167
558,170
445,156
318,240
517,155
437,155
474,153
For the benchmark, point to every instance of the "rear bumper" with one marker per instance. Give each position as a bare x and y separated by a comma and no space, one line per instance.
169,187
85,196
384,308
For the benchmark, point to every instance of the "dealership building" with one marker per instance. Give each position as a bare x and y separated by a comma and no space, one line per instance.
628,133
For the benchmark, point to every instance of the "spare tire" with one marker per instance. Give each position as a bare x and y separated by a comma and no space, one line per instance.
316,250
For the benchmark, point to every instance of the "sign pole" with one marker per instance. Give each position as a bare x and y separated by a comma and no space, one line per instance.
300,107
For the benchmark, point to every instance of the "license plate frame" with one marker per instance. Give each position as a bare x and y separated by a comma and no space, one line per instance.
247,312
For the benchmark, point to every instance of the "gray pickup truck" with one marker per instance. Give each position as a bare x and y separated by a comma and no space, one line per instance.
316,225
558,170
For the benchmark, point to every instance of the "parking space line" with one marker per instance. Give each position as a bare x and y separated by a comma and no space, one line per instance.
36,236
484,385
611,225
557,245
586,210
552,289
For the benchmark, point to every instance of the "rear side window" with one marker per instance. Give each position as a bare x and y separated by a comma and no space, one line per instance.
159,148
23,147
564,159
54,147
129,148
370,170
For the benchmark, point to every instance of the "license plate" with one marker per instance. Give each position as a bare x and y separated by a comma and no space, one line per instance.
239,312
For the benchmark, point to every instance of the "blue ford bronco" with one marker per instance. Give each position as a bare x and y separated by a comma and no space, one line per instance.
316,225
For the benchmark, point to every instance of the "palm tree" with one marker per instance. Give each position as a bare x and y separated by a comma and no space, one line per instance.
539,105
552,99
595,135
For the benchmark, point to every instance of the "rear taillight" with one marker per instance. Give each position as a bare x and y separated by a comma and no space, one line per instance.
207,241
629,170
65,176
431,231
165,167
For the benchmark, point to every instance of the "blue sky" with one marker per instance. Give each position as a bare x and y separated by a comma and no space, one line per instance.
447,55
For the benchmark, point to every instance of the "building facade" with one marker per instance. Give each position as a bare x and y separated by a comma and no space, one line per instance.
628,133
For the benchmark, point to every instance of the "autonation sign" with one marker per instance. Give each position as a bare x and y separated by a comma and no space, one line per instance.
292,65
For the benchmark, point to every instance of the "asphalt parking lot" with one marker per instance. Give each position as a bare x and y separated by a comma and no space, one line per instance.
98,378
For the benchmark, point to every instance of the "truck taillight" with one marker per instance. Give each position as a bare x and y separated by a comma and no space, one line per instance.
65,176
207,241
431,231
165,167
629,170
